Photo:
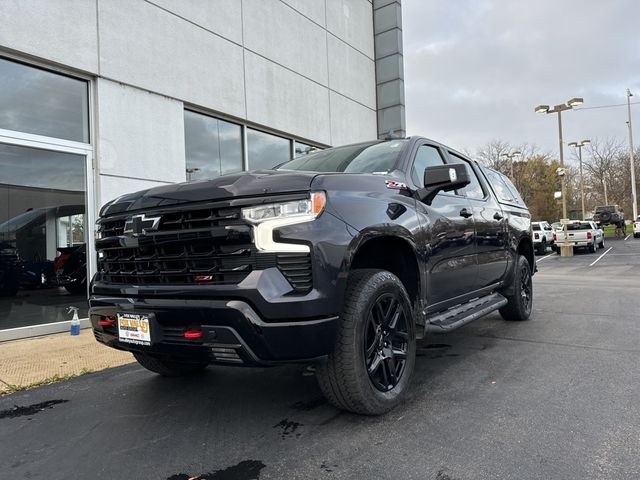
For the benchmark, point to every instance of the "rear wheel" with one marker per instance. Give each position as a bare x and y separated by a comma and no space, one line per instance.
372,363
520,301
166,367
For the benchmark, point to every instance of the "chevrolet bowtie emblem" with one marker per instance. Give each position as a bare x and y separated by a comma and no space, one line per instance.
141,224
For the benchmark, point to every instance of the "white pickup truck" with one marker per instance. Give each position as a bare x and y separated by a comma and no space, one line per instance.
580,234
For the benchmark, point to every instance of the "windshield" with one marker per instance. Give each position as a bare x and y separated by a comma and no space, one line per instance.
378,157
535,226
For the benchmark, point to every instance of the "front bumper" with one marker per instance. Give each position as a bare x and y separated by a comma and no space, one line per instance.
232,332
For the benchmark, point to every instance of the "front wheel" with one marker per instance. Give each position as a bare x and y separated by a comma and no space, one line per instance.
542,249
370,368
601,244
520,300
592,247
166,367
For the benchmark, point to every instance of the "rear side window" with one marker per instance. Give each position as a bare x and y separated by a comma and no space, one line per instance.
505,190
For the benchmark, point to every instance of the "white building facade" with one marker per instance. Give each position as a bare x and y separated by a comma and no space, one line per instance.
103,97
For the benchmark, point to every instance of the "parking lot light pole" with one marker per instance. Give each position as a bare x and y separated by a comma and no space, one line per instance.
579,147
510,156
633,169
565,249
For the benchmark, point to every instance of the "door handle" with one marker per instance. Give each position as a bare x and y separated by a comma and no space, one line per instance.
497,216
465,213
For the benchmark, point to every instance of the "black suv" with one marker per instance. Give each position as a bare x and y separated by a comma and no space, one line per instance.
343,258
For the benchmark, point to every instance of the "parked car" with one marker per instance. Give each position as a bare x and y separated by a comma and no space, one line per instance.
609,215
71,268
542,236
636,228
67,270
580,234
9,270
342,258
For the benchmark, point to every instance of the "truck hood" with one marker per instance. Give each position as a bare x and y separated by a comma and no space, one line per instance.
245,184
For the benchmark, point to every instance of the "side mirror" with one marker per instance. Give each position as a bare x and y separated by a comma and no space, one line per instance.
443,178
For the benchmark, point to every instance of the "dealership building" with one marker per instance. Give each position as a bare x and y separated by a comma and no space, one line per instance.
99,98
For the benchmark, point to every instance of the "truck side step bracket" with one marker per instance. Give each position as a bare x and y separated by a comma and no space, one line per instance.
463,314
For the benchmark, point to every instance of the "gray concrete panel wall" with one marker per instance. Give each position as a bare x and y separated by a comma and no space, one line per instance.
387,21
140,134
294,104
353,123
352,22
62,32
222,17
349,70
148,47
293,41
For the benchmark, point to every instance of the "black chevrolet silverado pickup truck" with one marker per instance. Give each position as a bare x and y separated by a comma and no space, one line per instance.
341,258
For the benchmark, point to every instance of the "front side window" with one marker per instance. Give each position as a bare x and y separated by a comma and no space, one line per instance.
37,101
213,147
426,156
378,157
474,189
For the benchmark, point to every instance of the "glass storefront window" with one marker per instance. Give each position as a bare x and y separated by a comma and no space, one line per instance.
42,236
34,100
265,151
302,149
213,147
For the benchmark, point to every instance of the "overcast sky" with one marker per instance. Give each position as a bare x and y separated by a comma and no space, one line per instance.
475,69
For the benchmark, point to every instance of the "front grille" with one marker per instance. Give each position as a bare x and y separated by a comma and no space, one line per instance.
211,246
184,262
112,228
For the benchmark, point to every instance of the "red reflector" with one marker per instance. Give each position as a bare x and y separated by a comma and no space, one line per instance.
106,323
192,334
204,278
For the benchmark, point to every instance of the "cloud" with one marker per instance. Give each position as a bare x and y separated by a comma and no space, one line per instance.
475,70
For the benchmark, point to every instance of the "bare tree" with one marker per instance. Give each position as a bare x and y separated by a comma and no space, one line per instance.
604,164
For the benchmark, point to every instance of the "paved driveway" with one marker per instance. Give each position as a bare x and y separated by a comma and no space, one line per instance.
552,398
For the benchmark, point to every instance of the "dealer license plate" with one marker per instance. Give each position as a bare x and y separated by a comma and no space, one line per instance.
134,328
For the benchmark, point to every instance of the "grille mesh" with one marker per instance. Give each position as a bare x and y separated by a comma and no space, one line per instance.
200,246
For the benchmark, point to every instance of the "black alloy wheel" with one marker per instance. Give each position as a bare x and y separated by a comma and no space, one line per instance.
526,287
369,371
386,342
520,294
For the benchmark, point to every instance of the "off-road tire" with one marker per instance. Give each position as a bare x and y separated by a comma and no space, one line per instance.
517,309
344,378
168,368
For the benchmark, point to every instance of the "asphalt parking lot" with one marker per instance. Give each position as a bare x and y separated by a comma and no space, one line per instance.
552,398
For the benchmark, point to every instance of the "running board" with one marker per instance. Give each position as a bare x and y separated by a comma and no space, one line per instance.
465,313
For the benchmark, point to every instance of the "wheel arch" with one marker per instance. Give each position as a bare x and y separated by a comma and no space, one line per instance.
394,251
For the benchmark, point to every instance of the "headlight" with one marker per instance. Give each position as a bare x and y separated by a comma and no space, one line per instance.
302,210
266,218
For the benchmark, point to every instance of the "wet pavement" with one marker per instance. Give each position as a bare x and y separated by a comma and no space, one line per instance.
555,398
